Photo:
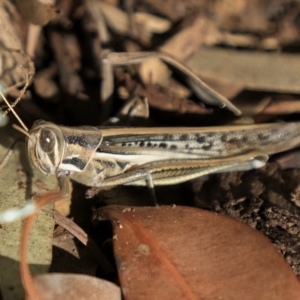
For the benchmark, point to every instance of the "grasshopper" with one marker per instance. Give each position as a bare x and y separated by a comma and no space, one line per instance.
102,157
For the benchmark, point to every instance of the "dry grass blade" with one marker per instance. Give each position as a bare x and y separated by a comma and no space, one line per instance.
124,59
76,231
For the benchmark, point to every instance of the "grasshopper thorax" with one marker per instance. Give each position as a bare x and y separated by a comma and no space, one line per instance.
45,146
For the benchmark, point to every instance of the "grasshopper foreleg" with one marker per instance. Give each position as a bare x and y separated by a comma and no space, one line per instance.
63,182
140,174
131,176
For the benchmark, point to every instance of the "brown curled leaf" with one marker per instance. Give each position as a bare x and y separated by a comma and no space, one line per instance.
188,253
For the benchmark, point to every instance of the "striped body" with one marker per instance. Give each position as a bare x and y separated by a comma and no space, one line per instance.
93,156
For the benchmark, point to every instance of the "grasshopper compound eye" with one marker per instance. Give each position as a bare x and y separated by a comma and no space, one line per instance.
47,140
45,146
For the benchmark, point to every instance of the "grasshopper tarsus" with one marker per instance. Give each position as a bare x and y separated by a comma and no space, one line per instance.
150,184
64,186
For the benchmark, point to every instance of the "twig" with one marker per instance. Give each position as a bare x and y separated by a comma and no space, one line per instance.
76,231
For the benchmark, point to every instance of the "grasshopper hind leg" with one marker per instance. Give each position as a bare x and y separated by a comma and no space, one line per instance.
178,172
168,172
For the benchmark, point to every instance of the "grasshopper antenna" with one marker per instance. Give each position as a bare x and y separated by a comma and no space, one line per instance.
13,111
23,130
20,129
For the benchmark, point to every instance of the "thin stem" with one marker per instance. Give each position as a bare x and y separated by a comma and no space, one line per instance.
26,275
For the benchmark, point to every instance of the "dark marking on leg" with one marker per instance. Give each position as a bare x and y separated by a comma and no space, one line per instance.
108,164
263,137
163,145
201,139
169,137
207,146
121,164
245,138
184,137
236,142
224,138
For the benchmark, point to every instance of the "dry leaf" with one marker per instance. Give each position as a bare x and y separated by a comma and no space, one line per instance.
224,87
173,10
154,71
56,286
36,11
151,23
289,160
142,25
282,107
95,10
115,18
187,41
253,70
188,253
11,49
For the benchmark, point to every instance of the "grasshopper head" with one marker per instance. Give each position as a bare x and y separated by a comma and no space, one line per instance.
45,146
